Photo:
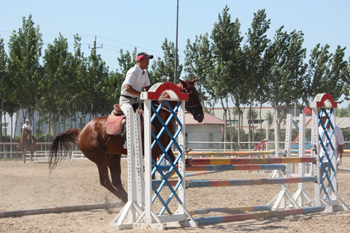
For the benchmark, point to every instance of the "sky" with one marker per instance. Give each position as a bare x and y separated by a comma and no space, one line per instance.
121,24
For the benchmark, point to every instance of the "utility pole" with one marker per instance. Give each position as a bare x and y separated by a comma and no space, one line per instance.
94,48
177,21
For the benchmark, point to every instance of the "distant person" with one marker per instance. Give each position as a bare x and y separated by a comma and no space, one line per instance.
28,127
339,143
135,81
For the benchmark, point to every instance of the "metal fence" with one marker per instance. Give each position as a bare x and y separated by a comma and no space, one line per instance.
12,150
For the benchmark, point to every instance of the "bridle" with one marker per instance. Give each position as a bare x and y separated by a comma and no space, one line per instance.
185,90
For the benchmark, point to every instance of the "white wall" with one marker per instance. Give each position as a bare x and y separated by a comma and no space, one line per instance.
201,133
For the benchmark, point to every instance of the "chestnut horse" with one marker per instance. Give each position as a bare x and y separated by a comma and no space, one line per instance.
26,145
106,150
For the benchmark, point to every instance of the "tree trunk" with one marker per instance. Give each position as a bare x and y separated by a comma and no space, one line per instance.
261,137
231,134
249,123
58,122
17,114
5,126
48,128
239,130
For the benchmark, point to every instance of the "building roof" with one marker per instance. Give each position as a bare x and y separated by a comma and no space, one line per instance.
343,122
208,119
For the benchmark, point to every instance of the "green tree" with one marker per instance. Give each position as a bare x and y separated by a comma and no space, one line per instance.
126,61
162,69
342,112
296,69
4,78
257,43
338,73
24,66
226,39
318,70
95,83
287,72
58,85
81,73
328,72
198,57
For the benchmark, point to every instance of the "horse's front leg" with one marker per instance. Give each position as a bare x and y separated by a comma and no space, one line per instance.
31,155
24,151
172,159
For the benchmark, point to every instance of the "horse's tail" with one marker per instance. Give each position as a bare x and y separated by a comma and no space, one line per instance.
61,143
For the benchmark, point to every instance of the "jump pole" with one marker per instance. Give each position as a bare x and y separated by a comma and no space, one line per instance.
229,161
231,209
236,167
270,214
227,153
59,209
238,182
200,173
230,167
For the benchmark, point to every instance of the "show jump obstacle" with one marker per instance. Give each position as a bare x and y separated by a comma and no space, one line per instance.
139,213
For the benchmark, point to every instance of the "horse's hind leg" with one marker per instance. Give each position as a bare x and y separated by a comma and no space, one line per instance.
115,169
104,177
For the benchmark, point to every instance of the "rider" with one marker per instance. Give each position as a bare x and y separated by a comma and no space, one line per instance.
29,128
136,79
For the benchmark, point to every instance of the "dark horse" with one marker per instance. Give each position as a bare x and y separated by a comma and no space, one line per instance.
25,145
106,150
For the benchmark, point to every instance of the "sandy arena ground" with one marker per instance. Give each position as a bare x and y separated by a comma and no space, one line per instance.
29,186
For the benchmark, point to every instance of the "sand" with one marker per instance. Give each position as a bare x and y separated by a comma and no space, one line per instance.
29,186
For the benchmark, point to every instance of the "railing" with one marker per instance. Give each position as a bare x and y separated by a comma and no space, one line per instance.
219,146
12,150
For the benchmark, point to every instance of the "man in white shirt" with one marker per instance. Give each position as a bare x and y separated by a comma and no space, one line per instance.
28,127
135,81
339,142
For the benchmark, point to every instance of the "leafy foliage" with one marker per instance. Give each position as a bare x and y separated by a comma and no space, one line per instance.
70,86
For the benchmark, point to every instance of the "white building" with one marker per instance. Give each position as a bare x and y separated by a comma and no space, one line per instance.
262,114
209,130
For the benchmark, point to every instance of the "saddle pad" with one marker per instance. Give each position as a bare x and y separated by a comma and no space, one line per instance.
114,125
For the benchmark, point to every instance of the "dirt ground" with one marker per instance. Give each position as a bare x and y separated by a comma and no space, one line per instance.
29,186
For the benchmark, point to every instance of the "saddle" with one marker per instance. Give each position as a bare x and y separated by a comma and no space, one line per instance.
115,123
117,111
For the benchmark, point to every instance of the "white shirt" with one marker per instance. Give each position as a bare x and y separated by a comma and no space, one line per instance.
28,127
137,78
339,140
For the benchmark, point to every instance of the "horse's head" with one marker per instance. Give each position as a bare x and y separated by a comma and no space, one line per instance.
193,105
25,133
